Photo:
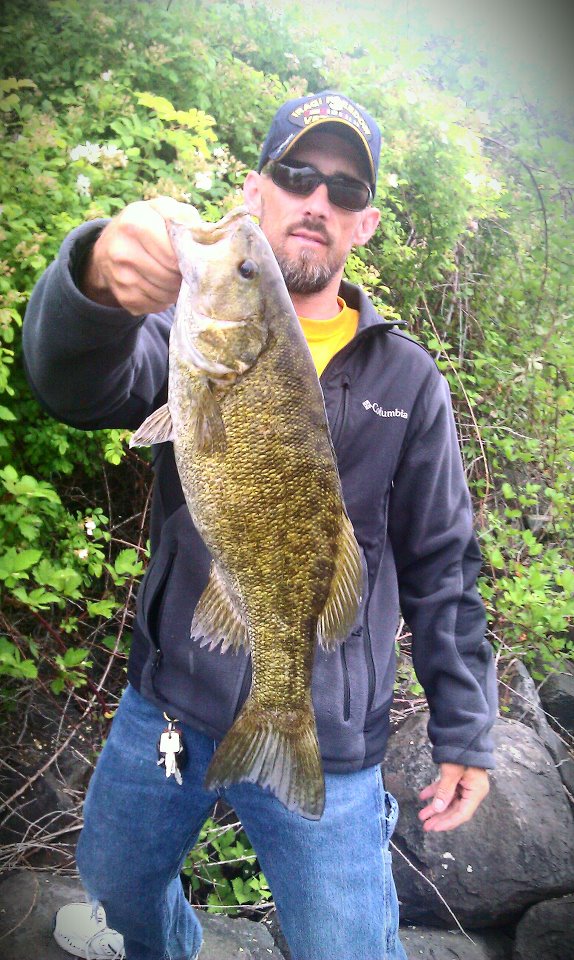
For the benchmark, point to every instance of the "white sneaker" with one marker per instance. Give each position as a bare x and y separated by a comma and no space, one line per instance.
81,930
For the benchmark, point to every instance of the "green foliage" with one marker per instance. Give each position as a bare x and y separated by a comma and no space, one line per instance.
106,102
223,871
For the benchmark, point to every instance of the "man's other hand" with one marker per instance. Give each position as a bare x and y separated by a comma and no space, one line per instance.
132,264
455,796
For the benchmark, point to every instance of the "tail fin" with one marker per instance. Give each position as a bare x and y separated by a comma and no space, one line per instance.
276,750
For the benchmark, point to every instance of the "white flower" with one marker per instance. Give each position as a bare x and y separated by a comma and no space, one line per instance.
106,75
92,151
84,188
203,180
90,526
82,554
109,150
88,151
392,180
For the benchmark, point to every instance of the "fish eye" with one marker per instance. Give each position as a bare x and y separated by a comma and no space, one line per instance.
248,269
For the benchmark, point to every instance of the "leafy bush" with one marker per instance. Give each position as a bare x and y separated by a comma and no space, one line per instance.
223,871
106,102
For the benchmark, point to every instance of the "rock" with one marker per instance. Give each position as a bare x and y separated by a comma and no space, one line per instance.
518,848
521,701
557,696
28,902
425,943
519,698
29,899
276,932
226,939
546,931
43,824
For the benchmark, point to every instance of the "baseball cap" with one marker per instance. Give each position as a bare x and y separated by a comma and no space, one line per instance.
297,116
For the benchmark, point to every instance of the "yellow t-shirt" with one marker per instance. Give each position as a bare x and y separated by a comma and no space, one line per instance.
326,337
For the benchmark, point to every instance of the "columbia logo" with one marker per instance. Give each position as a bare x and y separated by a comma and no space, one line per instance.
384,413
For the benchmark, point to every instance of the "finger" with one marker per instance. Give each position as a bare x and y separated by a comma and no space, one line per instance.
471,790
171,209
429,791
140,295
140,280
461,811
444,789
142,234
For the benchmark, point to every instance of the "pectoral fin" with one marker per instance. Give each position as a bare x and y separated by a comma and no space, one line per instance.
155,429
218,618
208,426
339,615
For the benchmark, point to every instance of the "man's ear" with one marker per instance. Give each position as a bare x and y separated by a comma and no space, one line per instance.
252,193
367,225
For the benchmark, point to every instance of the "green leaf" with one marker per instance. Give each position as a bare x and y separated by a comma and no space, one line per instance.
15,562
74,656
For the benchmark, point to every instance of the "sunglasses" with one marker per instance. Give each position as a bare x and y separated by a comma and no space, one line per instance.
344,192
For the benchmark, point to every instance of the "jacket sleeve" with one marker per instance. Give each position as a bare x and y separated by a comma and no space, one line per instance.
91,366
438,561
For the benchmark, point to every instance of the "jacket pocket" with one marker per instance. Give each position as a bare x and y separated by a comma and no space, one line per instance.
152,594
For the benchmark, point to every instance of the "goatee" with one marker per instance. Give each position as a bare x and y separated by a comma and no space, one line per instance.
304,274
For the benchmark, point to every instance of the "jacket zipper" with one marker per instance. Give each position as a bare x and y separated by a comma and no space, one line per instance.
159,591
371,672
370,663
346,684
339,424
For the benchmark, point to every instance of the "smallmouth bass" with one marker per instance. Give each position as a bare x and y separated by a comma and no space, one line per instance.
246,416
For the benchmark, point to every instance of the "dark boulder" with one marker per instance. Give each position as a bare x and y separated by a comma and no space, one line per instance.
557,696
426,943
546,931
520,700
517,850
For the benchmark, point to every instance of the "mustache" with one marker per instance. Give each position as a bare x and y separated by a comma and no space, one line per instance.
314,226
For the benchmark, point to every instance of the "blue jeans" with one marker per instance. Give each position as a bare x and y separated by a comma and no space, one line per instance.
331,879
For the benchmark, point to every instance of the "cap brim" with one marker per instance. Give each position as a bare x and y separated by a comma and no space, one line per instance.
340,123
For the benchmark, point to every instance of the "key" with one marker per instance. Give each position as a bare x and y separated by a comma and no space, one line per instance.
171,751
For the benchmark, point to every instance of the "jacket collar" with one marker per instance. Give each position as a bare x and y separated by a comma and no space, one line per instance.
356,298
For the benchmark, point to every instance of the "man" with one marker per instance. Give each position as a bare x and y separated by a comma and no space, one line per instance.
95,340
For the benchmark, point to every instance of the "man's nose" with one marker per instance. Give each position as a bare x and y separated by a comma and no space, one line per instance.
318,203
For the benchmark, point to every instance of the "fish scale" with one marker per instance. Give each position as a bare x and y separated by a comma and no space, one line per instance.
246,416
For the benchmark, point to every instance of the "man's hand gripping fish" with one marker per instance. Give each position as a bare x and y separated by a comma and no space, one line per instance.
246,416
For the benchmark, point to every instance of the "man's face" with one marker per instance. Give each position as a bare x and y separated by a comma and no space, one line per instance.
310,236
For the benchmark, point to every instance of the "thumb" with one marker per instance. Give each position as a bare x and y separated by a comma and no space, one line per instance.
445,787
171,209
